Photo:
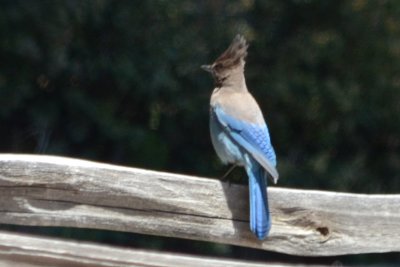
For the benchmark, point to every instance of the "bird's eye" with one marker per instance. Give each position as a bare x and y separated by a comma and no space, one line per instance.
218,66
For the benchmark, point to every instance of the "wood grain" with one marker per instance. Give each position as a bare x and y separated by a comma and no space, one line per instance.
18,250
58,191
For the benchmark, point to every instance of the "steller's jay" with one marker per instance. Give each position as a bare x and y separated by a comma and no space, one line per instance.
239,133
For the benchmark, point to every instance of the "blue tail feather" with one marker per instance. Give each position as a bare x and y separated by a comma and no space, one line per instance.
260,222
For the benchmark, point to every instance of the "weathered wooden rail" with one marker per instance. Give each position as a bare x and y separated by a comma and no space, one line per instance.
57,191
18,250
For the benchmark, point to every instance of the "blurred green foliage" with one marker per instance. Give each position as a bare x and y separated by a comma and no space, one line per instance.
119,82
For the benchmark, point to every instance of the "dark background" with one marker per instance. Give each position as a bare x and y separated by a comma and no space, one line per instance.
119,82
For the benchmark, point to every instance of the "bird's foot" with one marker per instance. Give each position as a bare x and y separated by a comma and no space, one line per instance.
224,178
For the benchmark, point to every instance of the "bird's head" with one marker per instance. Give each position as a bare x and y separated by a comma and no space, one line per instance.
230,61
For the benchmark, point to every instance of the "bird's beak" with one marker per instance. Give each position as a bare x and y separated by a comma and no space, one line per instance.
207,68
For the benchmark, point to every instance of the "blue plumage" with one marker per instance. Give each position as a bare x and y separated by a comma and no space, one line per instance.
237,142
239,133
260,222
251,136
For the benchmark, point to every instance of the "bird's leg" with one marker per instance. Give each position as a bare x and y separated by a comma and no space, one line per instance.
224,177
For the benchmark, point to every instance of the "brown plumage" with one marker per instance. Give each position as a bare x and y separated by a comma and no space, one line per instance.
230,64
236,52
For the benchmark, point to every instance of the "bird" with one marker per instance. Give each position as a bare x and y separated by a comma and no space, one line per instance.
239,133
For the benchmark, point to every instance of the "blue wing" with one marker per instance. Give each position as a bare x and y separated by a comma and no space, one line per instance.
252,137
